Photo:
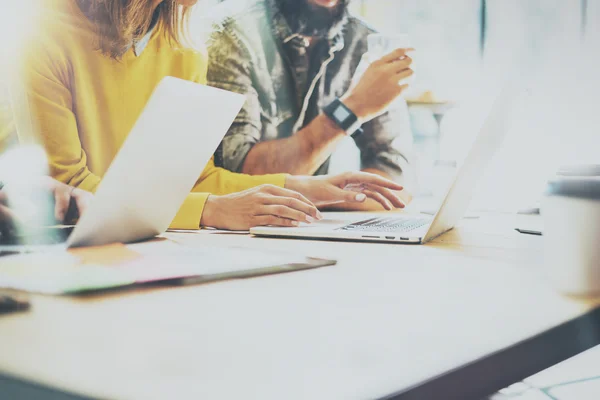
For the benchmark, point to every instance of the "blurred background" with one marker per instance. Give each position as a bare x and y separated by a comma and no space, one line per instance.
464,47
15,25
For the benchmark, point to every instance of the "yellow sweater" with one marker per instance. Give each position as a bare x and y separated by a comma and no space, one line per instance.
84,103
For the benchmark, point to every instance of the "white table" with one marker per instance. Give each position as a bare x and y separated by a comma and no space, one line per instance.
459,318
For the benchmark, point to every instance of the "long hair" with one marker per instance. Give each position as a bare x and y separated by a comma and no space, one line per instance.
119,23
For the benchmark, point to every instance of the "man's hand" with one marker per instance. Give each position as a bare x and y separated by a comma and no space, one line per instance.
260,206
23,204
380,85
404,194
349,187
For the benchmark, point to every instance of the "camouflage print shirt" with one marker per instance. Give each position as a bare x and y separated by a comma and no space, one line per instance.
254,52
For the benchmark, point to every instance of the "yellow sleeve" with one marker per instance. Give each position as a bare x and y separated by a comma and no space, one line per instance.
51,107
46,79
213,180
220,181
190,212
217,181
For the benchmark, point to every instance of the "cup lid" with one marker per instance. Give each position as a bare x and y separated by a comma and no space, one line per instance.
579,170
577,187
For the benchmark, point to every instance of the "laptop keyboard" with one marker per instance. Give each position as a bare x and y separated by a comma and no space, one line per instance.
387,224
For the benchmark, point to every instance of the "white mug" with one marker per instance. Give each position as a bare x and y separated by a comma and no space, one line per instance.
571,214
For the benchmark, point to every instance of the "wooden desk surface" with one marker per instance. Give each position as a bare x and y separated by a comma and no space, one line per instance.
386,318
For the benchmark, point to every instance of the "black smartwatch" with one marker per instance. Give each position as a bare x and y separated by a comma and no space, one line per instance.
343,117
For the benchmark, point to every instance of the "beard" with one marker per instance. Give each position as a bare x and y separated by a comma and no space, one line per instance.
311,20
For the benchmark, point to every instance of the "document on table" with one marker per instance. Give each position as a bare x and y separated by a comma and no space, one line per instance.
213,263
114,266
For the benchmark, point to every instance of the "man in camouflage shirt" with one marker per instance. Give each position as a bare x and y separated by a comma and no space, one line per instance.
292,59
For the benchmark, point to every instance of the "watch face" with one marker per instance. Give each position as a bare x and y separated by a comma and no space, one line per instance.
341,114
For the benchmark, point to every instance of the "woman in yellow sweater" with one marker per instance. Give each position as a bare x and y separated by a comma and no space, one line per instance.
89,73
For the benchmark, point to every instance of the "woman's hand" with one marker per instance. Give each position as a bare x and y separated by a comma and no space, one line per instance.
63,196
260,206
349,187
28,204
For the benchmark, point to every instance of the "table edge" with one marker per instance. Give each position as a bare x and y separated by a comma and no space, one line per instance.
480,378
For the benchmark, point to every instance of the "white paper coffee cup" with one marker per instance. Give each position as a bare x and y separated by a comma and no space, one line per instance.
380,45
571,214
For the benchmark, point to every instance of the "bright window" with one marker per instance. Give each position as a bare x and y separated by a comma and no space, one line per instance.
465,46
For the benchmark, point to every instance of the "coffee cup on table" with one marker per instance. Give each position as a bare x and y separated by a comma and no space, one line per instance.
570,210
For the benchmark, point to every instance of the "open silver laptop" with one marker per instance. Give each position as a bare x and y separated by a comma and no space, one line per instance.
155,169
420,229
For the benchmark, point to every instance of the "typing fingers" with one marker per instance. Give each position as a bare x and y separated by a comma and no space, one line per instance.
365,178
272,220
295,204
394,199
278,191
286,212
378,197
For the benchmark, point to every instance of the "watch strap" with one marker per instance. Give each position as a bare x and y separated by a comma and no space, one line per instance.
343,117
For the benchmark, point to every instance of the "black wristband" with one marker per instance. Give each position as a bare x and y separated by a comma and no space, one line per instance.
343,117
